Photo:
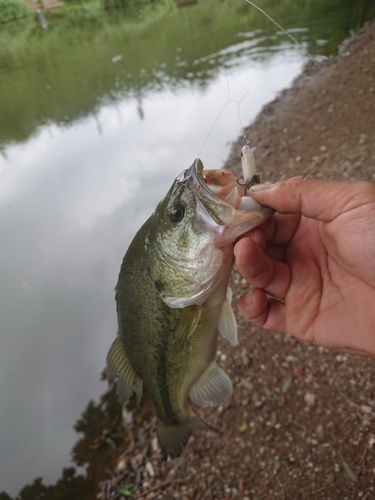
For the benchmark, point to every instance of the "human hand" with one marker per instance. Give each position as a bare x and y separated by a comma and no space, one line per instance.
312,264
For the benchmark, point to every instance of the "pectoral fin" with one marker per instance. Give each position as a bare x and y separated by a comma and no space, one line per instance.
213,387
120,371
186,325
227,325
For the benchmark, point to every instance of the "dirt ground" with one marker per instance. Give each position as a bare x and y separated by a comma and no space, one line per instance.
301,421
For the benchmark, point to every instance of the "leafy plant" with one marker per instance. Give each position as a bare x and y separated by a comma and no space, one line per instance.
12,9
126,490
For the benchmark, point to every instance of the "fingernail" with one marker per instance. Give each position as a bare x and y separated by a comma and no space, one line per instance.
262,187
248,298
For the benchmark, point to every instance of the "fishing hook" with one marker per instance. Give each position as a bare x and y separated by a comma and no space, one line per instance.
254,180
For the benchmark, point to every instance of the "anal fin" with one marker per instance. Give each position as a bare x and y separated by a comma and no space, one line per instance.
120,371
213,388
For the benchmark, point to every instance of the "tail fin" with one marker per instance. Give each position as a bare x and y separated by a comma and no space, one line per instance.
173,438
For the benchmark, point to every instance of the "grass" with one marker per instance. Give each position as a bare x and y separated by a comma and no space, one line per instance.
12,9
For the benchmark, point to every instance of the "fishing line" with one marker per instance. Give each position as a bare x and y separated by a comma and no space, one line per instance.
278,25
229,100
246,140
220,113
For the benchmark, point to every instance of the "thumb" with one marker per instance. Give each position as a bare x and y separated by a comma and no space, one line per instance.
314,198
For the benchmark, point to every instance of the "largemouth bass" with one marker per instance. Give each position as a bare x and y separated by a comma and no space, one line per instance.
173,300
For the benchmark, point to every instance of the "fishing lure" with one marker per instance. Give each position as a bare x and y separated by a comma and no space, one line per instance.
249,175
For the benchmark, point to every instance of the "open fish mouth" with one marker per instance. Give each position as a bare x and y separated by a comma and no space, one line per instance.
225,201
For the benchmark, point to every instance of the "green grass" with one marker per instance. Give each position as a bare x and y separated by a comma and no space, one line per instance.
12,9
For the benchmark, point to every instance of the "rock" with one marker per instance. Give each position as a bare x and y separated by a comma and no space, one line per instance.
309,398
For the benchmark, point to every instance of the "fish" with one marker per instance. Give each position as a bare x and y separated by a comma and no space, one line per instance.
173,300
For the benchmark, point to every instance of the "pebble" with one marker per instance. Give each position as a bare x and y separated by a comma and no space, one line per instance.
319,430
340,358
154,444
149,468
245,360
121,464
366,409
309,398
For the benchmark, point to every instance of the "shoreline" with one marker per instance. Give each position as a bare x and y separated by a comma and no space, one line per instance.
300,418
324,124
298,402
293,426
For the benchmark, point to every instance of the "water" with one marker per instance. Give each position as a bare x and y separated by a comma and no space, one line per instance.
94,127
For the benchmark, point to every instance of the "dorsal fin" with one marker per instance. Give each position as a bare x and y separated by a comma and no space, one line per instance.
120,371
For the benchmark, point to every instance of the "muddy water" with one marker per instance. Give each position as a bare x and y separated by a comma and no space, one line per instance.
97,116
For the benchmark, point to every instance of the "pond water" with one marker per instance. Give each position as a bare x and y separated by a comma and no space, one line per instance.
97,117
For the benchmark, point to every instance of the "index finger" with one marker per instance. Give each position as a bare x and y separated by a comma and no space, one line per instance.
314,198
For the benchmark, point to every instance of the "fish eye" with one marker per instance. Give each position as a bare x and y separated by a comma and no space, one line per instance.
176,212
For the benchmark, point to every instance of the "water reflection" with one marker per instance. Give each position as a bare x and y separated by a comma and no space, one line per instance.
71,201
90,143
